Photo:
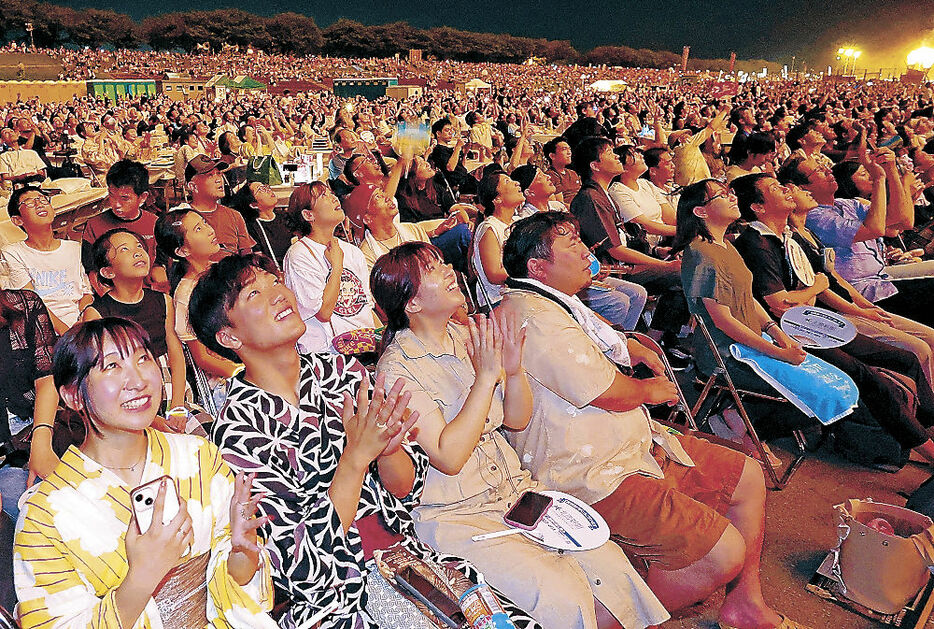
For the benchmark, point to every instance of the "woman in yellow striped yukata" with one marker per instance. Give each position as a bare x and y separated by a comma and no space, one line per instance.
80,559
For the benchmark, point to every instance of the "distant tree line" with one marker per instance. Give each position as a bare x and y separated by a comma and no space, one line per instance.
293,33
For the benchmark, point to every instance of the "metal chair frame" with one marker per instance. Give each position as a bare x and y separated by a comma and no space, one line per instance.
777,479
199,381
682,407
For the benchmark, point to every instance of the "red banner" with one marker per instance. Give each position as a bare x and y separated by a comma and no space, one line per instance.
732,61
684,58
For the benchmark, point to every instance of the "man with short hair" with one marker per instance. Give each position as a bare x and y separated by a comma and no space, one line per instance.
806,141
127,193
205,180
661,173
331,465
448,154
347,145
567,182
601,229
695,512
766,245
43,263
19,165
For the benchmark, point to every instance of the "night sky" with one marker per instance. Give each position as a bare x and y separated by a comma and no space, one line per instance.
769,29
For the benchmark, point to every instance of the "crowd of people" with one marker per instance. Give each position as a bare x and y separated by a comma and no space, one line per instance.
392,357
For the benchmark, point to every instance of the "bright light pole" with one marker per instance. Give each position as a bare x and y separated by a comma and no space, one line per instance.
32,40
848,54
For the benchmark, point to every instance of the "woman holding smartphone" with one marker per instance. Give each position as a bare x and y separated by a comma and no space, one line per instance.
466,383
81,558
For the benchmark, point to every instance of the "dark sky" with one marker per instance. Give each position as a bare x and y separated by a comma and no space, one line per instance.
770,29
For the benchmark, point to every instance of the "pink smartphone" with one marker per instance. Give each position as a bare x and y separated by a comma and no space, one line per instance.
528,511
143,500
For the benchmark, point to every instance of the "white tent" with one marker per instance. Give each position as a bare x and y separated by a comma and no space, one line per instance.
477,84
608,86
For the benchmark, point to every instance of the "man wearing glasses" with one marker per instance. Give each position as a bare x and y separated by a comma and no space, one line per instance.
855,230
43,263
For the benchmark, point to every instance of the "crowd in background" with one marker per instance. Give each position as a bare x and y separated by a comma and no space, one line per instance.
447,264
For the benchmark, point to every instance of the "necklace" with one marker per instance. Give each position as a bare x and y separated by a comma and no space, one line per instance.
131,468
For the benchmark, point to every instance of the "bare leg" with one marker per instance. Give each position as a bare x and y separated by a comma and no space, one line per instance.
677,589
605,619
744,606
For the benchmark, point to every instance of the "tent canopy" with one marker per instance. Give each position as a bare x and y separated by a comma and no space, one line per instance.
608,86
236,83
477,84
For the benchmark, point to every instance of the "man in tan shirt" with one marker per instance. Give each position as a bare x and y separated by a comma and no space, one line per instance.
693,511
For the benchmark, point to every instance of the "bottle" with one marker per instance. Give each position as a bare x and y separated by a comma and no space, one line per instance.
482,609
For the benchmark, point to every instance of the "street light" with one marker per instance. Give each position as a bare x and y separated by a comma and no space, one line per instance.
32,41
922,57
849,55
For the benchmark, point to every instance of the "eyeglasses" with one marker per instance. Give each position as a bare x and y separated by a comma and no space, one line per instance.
35,202
359,164
722,195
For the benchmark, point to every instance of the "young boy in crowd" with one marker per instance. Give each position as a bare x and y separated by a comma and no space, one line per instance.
127,193
43,263
122,265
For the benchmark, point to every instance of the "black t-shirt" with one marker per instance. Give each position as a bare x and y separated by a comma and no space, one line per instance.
149,313
771,273
439,158
278,235
765,257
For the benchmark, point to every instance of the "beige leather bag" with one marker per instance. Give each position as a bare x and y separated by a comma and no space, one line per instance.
879,571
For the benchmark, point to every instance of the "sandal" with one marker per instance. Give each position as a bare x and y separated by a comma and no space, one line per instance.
774,461
786,623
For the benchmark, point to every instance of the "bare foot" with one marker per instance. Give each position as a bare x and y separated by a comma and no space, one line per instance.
746,614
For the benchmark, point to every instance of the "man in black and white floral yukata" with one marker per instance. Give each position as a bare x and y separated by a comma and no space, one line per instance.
339,483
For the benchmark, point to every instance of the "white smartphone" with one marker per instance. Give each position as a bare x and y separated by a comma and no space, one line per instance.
143,499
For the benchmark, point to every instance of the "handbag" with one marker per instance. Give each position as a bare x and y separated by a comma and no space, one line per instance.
434,589
264,169
880,571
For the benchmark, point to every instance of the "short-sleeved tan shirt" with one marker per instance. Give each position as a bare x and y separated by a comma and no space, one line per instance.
440,383
570,444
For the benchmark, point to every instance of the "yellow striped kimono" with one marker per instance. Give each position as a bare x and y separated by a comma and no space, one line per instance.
69,554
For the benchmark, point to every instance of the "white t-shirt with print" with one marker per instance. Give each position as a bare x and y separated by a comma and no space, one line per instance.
57,276
306,272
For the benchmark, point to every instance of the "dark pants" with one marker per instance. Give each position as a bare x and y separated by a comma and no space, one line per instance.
671,310
859,436
914,299
859,359
882,398
455,245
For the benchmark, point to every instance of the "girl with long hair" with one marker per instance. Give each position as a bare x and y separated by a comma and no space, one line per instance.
190,244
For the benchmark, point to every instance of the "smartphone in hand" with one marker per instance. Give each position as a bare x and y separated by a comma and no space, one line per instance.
143,500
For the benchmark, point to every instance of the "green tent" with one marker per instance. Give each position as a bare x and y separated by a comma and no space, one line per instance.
236,83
